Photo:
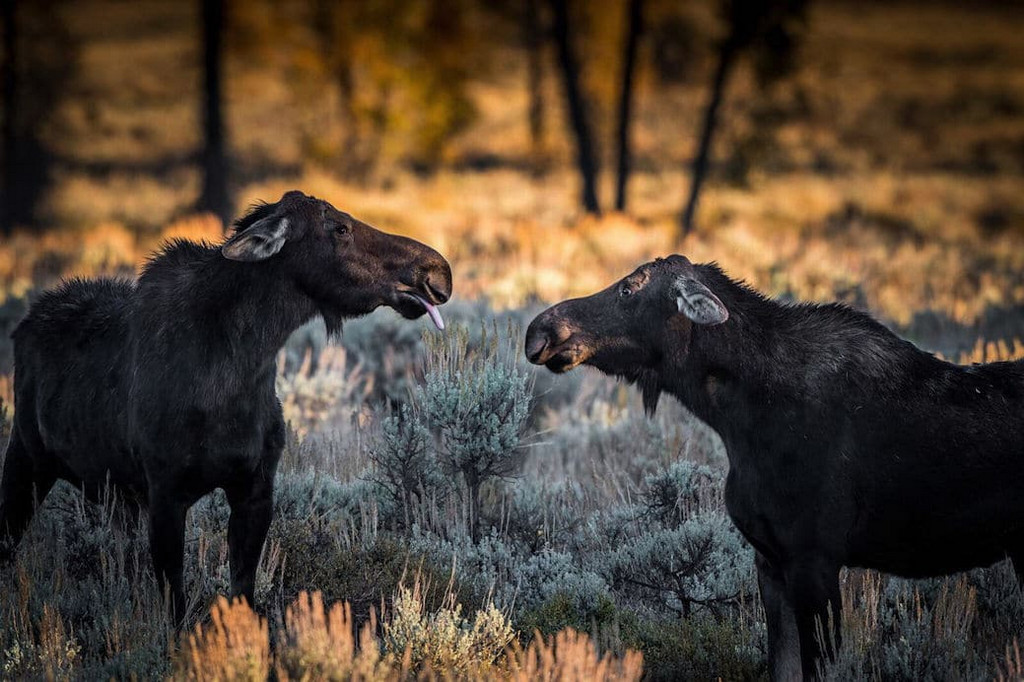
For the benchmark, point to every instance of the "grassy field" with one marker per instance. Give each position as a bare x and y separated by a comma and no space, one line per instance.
887,172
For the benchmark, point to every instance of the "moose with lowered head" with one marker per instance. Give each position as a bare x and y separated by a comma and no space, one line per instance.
847,445
165,386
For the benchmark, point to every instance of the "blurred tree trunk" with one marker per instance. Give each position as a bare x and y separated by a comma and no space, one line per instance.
214,196
533,43
332,26
726,59
634,27
585,156
9,88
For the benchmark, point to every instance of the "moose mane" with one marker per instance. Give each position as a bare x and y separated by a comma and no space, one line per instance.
257,212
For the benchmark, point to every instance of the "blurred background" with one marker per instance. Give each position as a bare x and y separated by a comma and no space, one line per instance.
870,151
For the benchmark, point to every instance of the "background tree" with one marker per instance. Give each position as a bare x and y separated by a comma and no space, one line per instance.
634,28
333,19
37,50
768,29
9,92
586,157
214,194
533,44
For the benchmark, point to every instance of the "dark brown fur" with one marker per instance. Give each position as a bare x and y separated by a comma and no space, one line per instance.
166,386
847,445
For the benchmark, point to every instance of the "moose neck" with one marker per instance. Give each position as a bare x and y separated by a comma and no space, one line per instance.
238,314
770,359
727,357
265,309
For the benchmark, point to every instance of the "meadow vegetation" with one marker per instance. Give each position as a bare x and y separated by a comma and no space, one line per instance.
444,510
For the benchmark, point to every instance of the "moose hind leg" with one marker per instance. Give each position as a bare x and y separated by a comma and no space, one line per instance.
252,508
812,585
783,637
22,488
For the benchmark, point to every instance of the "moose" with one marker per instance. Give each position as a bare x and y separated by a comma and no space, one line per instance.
164,387
847,445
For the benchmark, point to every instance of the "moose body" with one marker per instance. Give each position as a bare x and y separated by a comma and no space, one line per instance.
165,387
847,445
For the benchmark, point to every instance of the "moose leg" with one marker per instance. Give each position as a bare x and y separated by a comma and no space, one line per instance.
21,490
812,585
167,547
252,507
783,638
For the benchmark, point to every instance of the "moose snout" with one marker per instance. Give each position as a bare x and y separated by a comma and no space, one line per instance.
543,337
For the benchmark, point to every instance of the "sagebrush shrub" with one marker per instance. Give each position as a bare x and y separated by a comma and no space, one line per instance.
404,465
477,403
445,640
895,629
678,545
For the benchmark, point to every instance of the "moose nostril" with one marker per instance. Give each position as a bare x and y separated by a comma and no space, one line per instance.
535,346
439,295
439,287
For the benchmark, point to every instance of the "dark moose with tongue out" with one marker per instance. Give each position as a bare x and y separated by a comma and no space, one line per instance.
847,445
165,387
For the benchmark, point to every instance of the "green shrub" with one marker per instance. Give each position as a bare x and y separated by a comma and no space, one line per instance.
562,610
697,648
476,402
404,466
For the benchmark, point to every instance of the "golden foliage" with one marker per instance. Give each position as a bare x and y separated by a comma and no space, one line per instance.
51,652
320,643
571,656
993,351
204,227
235,645
444,641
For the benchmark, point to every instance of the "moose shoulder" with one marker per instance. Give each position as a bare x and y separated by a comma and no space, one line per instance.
165,387
847,445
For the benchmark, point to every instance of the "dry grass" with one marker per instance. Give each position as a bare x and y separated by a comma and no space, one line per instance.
235,645
810,246
320,643
1012,668
571,656
993,351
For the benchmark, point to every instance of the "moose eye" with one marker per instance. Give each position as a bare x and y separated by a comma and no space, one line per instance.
625,291
341,228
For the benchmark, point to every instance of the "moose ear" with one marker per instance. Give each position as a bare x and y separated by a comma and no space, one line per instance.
259,241
696,301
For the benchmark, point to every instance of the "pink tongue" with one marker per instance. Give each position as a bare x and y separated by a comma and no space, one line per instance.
435,314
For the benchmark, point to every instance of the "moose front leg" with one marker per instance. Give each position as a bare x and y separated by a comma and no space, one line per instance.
252,507
812,588
167,547
783,638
